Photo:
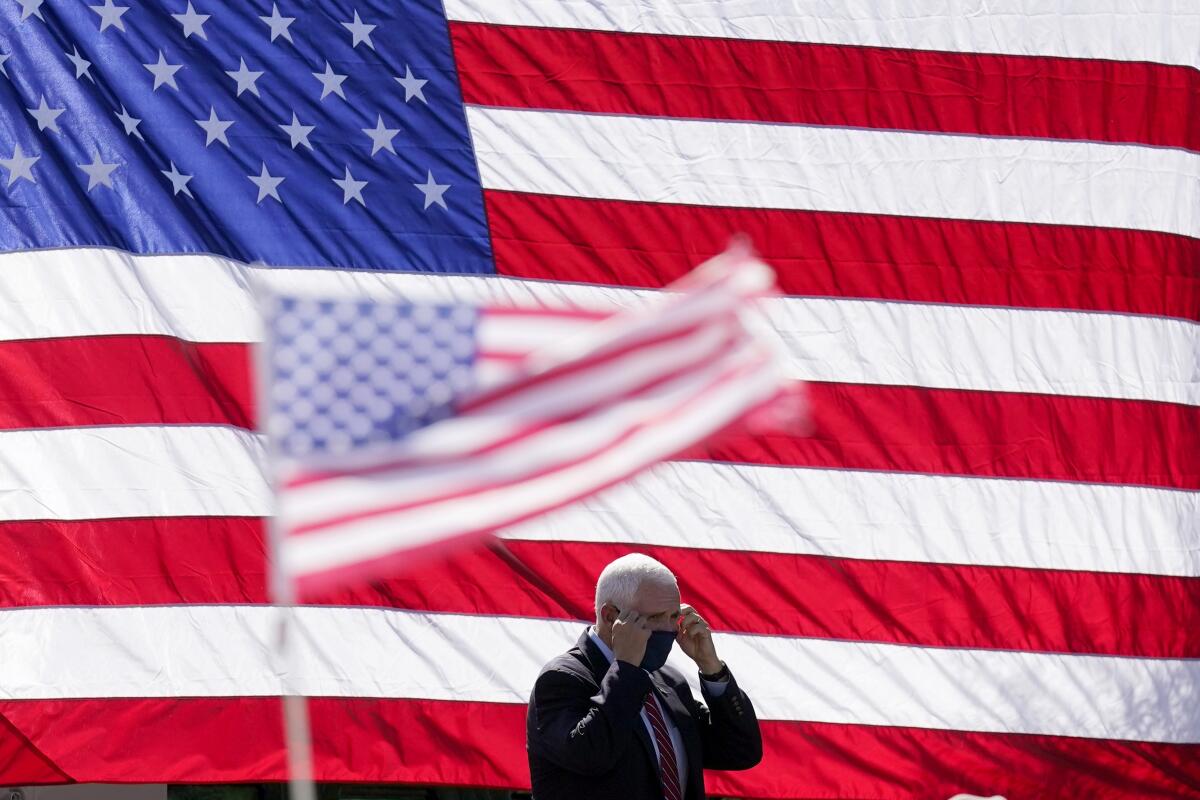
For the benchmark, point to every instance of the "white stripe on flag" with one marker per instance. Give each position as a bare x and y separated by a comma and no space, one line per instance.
760,165
206,299
1163,31
118,652
103,472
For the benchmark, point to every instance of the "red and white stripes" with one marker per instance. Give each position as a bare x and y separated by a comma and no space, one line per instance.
997,175
980,573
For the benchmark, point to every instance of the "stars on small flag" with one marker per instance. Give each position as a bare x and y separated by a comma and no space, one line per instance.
179,181
46,116
110,15
413,87
351,189
192,22
360,32
214,128
298,133
20,166
278,24
164,73
130,123
381,137
267,184
99,172
82,65
331,82
433,191
245,78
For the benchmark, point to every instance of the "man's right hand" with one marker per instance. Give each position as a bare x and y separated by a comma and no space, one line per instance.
630,633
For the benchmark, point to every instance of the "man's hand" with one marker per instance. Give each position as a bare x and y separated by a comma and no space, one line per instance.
630,633
695,639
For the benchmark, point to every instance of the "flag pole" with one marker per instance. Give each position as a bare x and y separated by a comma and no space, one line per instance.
297,732
296,725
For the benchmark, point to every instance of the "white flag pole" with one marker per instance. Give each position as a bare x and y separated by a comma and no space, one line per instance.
286,645
297,734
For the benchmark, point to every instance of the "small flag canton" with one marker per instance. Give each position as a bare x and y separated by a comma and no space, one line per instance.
344,374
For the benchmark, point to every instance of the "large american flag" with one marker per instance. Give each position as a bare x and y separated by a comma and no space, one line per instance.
979,573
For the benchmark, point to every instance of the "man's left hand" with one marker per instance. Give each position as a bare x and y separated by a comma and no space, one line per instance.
695,640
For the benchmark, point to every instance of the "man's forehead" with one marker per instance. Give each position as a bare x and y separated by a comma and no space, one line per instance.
656,598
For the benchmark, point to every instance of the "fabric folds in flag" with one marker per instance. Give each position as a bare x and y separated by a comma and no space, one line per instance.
978,570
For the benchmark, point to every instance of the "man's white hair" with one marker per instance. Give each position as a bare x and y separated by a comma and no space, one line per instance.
620,580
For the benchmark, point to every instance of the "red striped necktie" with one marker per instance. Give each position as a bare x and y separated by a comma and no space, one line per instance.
666,751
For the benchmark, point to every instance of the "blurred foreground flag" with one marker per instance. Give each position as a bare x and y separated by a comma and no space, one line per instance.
400,428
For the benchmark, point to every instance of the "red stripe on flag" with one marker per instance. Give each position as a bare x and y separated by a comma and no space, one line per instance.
823,84
238,739
220,560
123,380
985,434
833,254
157,380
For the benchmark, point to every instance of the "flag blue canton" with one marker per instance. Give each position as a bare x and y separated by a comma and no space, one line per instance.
295,133
348,373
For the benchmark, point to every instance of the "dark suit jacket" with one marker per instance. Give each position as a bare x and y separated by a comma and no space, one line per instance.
586,739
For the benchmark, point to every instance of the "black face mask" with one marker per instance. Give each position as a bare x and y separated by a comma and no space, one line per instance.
658,648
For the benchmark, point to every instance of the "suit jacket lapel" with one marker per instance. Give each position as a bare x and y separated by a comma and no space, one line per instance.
670,698
600,665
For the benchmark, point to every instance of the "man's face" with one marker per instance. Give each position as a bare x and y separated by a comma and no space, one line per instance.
659,604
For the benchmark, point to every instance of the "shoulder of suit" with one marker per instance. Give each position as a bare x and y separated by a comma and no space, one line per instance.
573,662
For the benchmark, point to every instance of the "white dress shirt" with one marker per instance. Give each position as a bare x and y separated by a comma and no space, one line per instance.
715,688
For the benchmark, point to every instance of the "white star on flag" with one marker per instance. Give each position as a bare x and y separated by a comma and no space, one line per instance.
331,82
413,87
267,184
433,191
31,8
245,78
381,137
46,116
82,65
110,15
163,72
278,24
298,133
130,123
214,128
192,22
360,32
178,181
351,189
19,166
99,172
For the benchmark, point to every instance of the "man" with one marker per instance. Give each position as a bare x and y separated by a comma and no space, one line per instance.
608,721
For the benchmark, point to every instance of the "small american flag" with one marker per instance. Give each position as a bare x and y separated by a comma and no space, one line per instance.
400,427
